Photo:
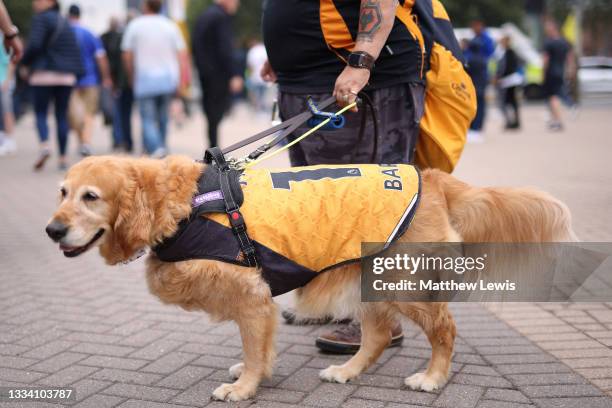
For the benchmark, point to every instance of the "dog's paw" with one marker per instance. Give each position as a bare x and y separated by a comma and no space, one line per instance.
232,392
424,382
235,371
335,373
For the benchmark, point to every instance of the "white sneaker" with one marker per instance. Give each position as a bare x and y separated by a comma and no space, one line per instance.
475,137
8,146
159,153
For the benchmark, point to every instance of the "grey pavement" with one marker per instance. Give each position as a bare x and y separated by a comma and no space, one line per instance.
80,324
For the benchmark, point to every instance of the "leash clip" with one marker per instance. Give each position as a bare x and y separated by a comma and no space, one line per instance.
239,164
335,121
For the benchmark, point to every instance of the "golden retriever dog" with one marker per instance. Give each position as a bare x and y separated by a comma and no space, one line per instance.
122,205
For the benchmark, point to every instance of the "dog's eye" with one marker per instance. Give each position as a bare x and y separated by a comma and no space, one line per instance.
89,196
63,192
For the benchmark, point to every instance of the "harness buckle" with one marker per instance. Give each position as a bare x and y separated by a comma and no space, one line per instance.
237,221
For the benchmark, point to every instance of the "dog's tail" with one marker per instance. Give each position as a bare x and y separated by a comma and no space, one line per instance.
505,214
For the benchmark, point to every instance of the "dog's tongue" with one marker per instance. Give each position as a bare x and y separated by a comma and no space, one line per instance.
67,248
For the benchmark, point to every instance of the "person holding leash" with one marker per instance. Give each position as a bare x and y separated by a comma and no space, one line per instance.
343,48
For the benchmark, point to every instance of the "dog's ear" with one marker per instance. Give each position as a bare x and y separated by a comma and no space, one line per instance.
131,230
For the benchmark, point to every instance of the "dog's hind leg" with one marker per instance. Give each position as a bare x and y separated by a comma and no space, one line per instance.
439,326
257,330
376,335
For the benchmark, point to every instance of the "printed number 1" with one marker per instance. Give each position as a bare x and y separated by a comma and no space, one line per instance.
283,179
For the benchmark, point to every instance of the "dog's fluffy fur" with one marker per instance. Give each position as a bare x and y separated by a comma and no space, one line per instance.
141,201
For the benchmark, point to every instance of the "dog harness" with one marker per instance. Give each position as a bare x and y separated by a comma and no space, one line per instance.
301,221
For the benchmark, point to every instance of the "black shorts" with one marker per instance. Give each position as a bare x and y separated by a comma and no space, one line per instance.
399,110
553,86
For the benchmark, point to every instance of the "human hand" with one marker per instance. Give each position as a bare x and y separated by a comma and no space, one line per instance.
236,84
267,73
23,72
14,46
350,82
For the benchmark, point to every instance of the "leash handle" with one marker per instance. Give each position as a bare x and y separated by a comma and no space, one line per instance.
335,121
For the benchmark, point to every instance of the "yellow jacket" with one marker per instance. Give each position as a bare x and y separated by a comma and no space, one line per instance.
305,220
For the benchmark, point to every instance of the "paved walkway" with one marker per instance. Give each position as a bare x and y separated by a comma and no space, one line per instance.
81,324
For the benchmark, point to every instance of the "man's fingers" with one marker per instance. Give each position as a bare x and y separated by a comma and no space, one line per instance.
345,98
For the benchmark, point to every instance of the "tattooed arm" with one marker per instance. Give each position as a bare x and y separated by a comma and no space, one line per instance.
376,18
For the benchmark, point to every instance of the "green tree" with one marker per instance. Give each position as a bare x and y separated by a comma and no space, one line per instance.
491,12
248,20
21,13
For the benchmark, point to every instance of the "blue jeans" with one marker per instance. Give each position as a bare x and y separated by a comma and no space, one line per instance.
481,110
60,95
122,119
154,117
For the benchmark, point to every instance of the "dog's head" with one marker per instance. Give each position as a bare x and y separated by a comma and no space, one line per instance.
102,205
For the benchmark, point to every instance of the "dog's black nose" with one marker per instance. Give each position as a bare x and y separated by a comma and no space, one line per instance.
56,230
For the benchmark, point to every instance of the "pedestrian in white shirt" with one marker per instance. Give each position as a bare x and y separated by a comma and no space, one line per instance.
154,54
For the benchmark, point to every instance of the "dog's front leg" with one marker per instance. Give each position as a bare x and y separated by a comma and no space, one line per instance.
376,336
257,330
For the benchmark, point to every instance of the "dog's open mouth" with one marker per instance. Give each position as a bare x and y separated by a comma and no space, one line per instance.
71,252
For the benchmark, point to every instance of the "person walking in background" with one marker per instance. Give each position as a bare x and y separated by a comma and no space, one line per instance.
123,97
85,99
54,62
508,80
557,56
212,42
8,145
10,35
479,51
10,53
256,59
154,54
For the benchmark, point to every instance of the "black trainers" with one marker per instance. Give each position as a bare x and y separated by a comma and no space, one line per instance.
43,156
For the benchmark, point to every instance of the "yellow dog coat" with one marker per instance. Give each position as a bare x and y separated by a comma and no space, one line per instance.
305,220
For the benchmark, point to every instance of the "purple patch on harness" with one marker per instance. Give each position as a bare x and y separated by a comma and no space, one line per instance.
205,198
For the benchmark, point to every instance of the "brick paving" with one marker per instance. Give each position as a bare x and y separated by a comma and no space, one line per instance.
78,323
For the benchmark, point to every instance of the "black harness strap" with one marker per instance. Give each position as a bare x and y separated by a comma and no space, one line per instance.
214,155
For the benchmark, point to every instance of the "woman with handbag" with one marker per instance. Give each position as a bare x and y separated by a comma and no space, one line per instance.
54,61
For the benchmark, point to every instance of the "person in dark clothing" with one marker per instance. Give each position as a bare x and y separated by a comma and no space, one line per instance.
557,55
479,51
341,48
54,61
213,45
123,96
308,56
508,80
